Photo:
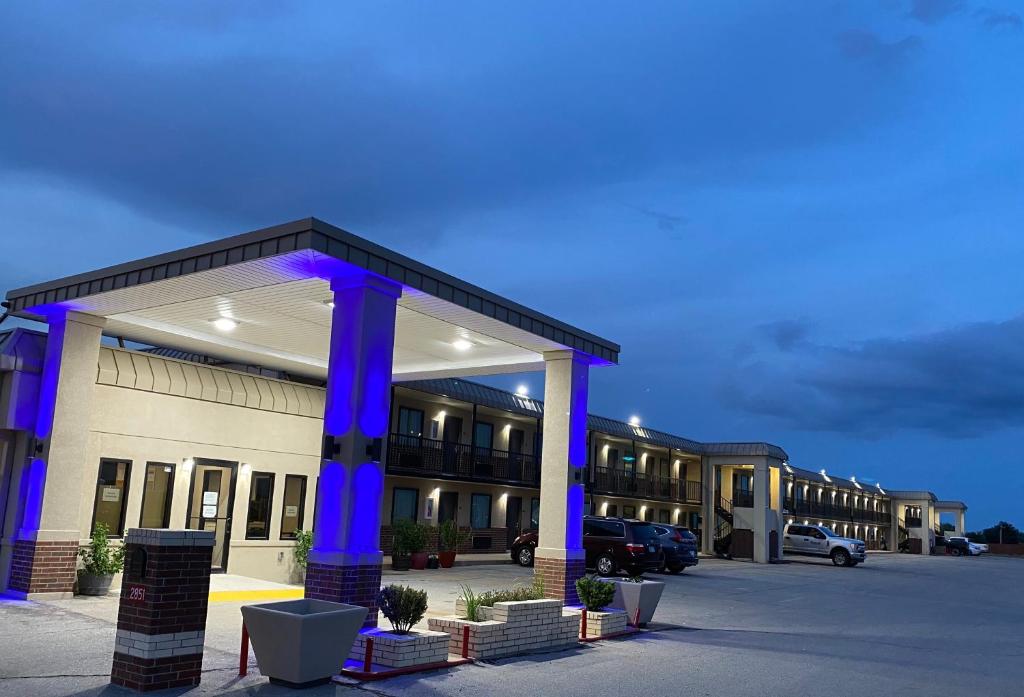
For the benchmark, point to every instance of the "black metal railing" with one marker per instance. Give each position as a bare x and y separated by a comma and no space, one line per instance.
645,486
416,455
742,499
832,511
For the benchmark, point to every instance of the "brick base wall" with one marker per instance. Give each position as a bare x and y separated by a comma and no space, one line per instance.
355,585
559,577
43,567
147,674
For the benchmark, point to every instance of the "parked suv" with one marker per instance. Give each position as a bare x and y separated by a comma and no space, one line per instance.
680,546
610,544
819,541
959,547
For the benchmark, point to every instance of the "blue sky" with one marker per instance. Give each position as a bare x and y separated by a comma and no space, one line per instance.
802,221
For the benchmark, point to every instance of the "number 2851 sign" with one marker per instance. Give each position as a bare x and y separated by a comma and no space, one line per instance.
135,593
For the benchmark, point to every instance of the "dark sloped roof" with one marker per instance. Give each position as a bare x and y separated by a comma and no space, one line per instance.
466,391
754,449
912,494
843,482
951,504
22,349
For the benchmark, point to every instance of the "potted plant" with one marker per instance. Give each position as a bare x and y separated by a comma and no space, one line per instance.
400,545
416,539
403,606
638,597
100,561
596,595
451,537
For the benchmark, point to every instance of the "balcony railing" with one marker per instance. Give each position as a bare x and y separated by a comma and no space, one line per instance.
416,455
645,486
742,499
835,512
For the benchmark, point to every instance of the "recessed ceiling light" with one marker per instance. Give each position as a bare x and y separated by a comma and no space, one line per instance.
462,344
225,324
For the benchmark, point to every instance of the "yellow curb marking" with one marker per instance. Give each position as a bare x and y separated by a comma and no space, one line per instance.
239,596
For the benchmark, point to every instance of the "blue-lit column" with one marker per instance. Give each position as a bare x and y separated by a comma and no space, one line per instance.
559,559
345,561
45,549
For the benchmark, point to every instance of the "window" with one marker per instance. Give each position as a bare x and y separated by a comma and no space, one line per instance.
664,516
293,505
613,510
261,497
603,528
535,513
157,492
483,435
629,511
649,514
613,458
480,511
111,491
404,503
410,422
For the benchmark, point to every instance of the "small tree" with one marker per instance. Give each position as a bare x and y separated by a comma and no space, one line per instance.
594,593
403,606
303,543
99,558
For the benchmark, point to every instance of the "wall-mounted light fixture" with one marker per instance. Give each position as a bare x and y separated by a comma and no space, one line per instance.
187,464
634,421
246,469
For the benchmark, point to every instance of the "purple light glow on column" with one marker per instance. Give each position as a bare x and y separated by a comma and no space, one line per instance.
364,523
574,518
578,416
51,376
32,494
341,366
327,533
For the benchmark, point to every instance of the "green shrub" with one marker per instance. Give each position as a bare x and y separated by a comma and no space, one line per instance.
403,606
450,535
409,537
472,604
594,593
99,558
534,591
303,543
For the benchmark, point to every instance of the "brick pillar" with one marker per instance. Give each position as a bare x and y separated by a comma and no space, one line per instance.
43,569
345,561
161,623
559,576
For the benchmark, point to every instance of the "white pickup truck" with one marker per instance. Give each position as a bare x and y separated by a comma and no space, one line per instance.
819,541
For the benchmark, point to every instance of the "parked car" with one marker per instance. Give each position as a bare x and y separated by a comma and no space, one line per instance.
680,546
819,541
610,544
958,546
978,548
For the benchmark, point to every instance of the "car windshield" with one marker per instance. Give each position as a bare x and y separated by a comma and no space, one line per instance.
644,532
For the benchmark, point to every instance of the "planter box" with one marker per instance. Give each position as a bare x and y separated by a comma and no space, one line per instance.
642,596
605,623
91,584
512,629
401,650
302,642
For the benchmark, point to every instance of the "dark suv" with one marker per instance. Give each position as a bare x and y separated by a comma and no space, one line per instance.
610,544
680,547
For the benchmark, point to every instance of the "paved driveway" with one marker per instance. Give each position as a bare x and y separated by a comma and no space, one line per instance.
896,625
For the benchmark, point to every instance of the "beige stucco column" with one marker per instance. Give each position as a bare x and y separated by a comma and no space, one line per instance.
559,560
52,486
345,560
762,510
961,522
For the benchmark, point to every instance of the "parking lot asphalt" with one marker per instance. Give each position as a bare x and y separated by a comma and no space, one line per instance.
895,625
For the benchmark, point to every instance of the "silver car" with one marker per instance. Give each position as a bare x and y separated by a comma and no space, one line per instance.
820,541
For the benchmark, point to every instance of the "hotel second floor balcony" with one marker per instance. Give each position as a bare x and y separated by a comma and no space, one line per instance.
413,455
833,511
614,482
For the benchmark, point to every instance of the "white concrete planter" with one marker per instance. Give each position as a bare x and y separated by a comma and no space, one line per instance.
643,596
302,642
392,650
512,629
604,623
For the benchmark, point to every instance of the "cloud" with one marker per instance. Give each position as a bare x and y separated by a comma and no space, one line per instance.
963,382
934,11
787,334
994,19
866,46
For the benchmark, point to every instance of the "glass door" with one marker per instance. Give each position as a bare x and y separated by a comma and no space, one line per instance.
210,505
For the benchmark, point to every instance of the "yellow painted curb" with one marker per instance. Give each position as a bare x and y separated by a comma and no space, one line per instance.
241,596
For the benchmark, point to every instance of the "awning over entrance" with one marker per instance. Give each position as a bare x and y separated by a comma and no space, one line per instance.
264,298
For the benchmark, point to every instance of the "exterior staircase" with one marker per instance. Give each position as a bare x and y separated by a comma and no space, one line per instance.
723,527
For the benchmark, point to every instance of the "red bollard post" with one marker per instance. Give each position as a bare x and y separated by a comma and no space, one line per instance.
243,657
583,624
636,618
368,658
465,641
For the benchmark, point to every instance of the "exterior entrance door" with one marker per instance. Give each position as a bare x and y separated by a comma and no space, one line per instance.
451,436
513,519
448,507
211,501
